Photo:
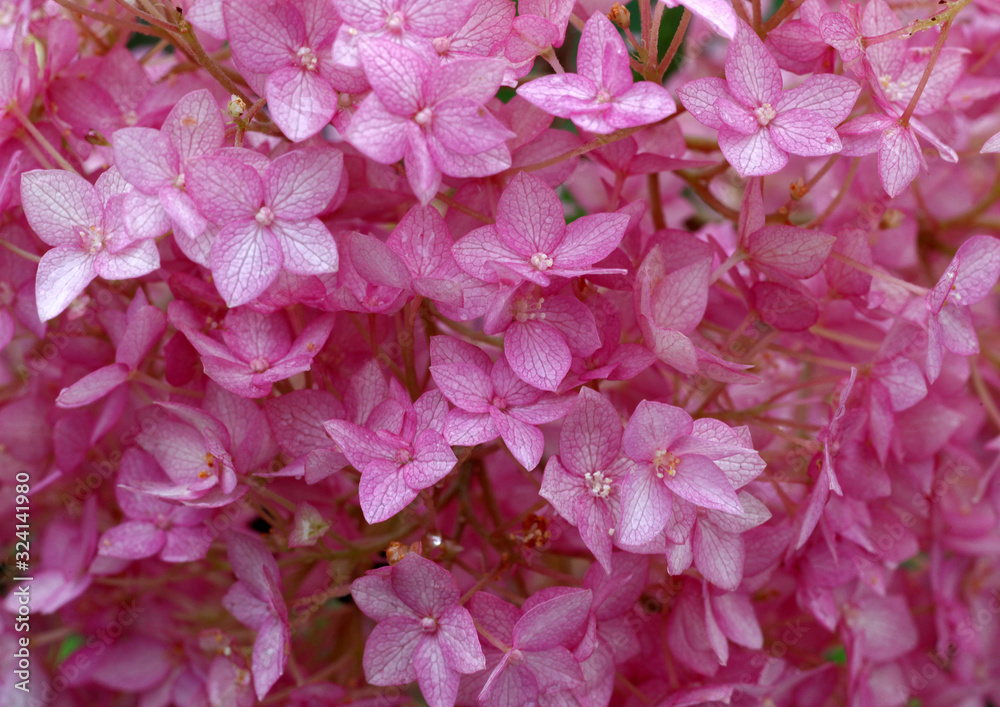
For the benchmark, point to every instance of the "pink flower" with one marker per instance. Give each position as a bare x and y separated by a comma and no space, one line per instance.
758,123
601,97
702,623
153,162
192,447
970,276
532,241
422,634
399,453
433,117
672,457
267,219
153,527
255,351
492,403
418,25
289,43
529,648
256,601
85,225
583,483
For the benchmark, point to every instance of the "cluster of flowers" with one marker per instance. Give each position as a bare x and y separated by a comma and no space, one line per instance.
464,352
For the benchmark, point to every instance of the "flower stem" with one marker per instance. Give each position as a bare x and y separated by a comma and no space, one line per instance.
935,52
15,109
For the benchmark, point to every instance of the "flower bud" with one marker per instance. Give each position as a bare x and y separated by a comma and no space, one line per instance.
236,106
620,15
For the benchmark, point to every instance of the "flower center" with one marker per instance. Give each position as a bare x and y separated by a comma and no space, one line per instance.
394,23
423,118
498,402
265,217
210,464
259,364
91,239
597,484
765,114
130,118
893,89
179,181
403,456
604,96
516,657
428,624
442,45
542,262
525,309
307,58
665,462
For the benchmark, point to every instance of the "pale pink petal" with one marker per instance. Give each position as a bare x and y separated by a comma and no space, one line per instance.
300,184
899,159
802,132
798,252
653,427
301,102
224,189
383,491
563,95
246,259
93,386
591,433
537,354
751,155
63,275
529,216
145,158
186,544
131,540
751,72
377,133
58,204
719,556
307,247
437,681
827,95
646,506
269,655
459,641
699,97
194,125
396,74
136,260
525,442
701,482
466,386
388,656
424,586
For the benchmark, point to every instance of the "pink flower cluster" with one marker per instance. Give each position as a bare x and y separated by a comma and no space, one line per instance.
557,353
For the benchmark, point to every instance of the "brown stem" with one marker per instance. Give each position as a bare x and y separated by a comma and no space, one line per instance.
786,9
15,109
655,205
702,191
935,52
110,19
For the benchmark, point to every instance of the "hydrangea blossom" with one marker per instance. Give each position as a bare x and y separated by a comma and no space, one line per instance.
601,97
759,124
411,351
